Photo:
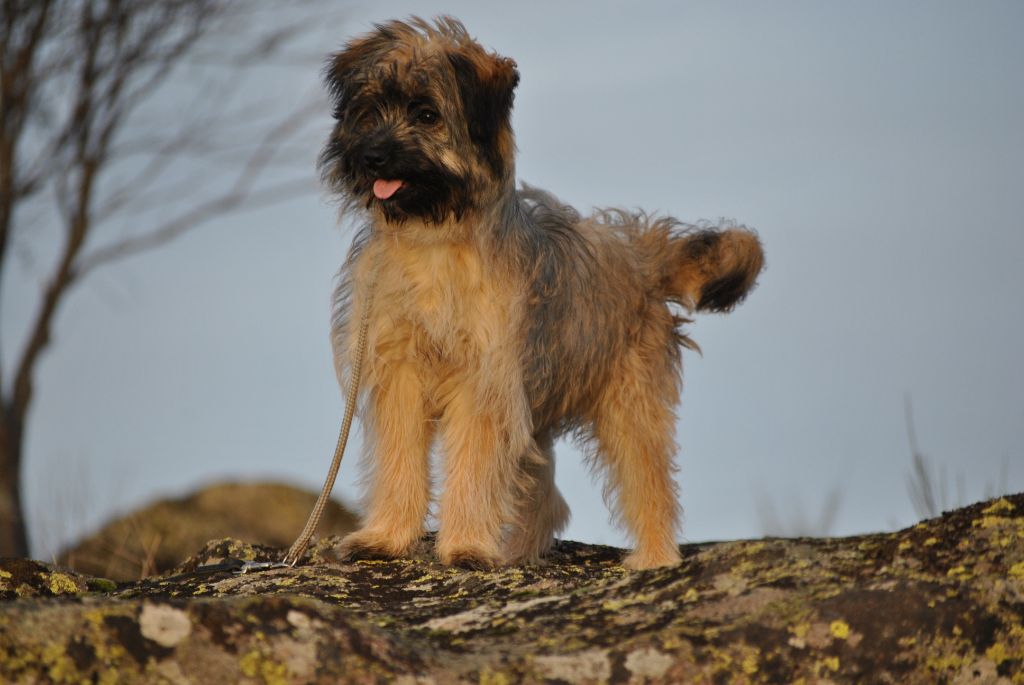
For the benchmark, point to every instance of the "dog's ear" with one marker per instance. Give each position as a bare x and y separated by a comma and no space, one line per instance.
342,73
486,85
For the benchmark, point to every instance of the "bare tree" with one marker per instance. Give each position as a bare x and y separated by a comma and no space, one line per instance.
123,124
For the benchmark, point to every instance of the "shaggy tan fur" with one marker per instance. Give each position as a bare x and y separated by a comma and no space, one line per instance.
502,318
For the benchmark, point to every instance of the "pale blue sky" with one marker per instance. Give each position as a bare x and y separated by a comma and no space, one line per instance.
877,147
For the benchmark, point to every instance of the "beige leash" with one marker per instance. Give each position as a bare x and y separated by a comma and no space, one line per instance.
298,547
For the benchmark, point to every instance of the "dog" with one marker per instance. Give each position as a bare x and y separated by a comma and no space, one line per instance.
501,318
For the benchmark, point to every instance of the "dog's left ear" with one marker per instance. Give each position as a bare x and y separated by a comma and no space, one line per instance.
486,84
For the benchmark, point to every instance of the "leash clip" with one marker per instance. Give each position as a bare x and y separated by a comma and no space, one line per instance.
256,566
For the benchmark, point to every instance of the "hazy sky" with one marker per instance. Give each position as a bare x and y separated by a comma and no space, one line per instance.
877,148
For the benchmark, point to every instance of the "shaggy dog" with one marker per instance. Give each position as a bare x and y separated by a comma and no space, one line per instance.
501,318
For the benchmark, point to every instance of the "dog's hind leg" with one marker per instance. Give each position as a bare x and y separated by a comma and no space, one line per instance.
541,512
634,424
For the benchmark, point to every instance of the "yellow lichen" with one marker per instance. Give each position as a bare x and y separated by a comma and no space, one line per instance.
489,677
1001,504
60,667
831,663
672,642
17,660
949,662
274,673
250,663
109,676
691,595
5,574
241,551
109,652
991,522
744,568
800,629
749,663
62,584
255,664
905,545
1017,570
839,629
997,653
957,571
722,659
931,541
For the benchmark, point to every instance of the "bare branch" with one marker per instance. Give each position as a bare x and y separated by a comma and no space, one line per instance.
100,105
233,198
192,219
16,97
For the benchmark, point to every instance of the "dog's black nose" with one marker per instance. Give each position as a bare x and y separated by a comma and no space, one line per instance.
375,156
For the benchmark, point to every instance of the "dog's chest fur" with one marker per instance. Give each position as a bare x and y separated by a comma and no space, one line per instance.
440,303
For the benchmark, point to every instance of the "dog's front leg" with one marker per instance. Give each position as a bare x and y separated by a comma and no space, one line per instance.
397,439
484,434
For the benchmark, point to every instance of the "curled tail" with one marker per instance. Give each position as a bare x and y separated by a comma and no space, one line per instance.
712,270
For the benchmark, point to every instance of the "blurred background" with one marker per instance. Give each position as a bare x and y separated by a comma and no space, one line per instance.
876,147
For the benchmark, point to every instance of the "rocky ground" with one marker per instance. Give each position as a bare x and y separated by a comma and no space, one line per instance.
942,602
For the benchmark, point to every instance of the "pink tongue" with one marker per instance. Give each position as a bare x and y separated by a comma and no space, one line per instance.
385,189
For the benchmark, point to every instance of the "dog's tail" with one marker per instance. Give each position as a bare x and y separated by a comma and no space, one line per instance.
712,270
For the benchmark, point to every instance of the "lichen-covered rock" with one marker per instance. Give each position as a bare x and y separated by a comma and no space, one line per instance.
942,602
25,578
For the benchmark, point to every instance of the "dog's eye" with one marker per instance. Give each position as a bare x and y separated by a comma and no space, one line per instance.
426,116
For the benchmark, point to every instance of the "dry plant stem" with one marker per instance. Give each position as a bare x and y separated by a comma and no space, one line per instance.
298,547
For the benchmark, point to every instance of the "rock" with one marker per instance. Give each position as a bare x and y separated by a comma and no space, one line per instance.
941,602
156,538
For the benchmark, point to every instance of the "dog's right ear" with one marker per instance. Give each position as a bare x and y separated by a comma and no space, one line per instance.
486,85
343,70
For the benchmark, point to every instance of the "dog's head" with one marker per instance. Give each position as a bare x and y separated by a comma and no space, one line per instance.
422,114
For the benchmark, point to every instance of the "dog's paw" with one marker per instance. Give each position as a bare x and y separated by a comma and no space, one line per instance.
371,544
468,557
527,549
645,559
517,559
